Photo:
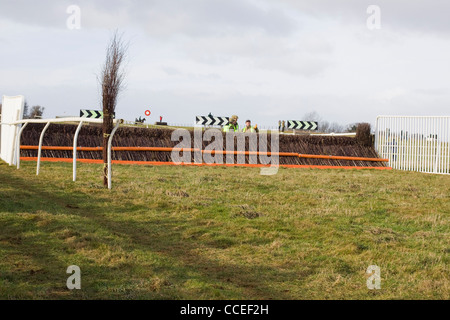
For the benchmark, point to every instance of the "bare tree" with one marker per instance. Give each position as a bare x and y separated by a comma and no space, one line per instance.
335,127
26,110
111,81
352,127
312,116
35,112
322,125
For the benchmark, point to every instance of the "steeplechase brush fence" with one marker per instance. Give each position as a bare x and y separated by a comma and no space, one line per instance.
154,146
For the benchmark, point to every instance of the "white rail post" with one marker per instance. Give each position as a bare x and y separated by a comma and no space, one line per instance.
109,152
18,145
75,138
376,136
40,148
14,138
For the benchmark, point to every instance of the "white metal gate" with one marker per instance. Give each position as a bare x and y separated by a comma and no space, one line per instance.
414,143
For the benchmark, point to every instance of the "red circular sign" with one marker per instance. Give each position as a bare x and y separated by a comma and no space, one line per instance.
147,112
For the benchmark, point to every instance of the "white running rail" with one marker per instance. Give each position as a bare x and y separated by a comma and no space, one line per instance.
22,123
414,143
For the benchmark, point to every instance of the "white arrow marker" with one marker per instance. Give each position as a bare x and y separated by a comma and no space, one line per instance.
307,124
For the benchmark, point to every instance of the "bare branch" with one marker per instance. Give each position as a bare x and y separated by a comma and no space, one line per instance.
111,81
112,74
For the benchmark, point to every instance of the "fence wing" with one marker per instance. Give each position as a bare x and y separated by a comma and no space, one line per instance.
415,143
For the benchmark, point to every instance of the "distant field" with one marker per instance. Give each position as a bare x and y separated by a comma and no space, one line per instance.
171,232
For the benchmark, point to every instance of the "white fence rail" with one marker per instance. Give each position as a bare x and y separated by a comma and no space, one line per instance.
414,143
15,140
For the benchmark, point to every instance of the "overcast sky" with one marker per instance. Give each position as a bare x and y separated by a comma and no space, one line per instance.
263,60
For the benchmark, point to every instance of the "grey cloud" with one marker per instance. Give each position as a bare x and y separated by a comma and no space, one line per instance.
433,92
237,15
171,71
398,15
307,67
206,18
196,18
44,13
158,18
307,57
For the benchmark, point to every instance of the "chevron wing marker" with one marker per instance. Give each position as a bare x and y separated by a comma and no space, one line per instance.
302,125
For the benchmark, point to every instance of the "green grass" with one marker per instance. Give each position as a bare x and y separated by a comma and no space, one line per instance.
167,232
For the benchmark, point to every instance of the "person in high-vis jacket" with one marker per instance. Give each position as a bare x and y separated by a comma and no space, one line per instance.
248,127
232,125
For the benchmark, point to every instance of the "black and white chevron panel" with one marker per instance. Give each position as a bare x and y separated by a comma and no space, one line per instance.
212,121
93,114
302,125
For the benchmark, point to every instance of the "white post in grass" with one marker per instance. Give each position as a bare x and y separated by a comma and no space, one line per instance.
40,148
18,145
109,152
14,140
75,139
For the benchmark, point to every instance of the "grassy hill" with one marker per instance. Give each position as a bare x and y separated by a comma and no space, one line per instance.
170,232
